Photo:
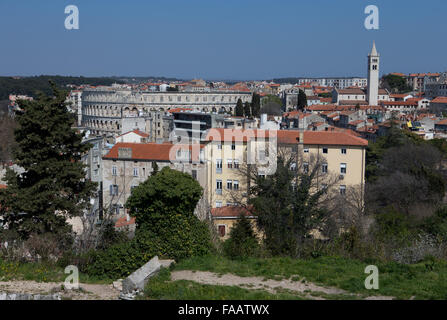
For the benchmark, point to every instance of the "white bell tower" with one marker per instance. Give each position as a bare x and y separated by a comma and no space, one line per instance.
373,76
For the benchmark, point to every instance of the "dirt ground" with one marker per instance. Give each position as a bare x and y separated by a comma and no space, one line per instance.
108,292
309,290
85,291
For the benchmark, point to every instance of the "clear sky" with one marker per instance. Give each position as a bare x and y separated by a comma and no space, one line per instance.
220,39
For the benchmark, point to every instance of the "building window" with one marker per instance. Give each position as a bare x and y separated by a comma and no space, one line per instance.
113,171
233,146
221,229
236,184
343,168
230,164
305,167
342,190
324,168
135,172
219,165
219,186
229,184
343,150
325,150
194,174
116,209
306,150
219,146
218,204
236,164
113,190
293,166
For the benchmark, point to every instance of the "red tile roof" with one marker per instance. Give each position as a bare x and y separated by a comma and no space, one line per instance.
439,100
138,132
153,151
3,186
399,103
179,110
356,122
322,138
122,222
286,136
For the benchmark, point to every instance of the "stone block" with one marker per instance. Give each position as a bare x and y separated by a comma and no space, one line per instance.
138,279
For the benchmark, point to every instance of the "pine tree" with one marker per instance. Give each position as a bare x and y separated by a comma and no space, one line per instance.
53,185
247,110
239,112
154,168
242,242
302,100
256,105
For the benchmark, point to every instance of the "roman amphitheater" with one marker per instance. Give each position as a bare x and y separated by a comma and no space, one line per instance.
104,108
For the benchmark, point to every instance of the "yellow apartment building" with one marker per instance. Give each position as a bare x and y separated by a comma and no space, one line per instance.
228,151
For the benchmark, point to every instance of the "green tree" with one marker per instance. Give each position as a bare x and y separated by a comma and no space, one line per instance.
247,110
239,111
288,205
7,126
271,99
302,100
242,242
256,105
395,83
163,206
154,168
53,185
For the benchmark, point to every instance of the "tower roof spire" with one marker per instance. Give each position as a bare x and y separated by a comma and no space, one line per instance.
374,50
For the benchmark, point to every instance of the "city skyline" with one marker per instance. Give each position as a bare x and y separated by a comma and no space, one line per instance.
226,41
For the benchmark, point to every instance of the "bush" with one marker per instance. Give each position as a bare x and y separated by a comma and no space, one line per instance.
242,242
177,238
437,224
109,236
392,223
118,261
166,226
168,193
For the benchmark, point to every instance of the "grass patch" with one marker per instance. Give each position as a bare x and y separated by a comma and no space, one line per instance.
425,280
41,272
160,287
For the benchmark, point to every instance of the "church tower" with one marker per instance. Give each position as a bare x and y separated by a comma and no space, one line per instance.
373,76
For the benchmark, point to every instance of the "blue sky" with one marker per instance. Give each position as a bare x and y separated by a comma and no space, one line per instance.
226,39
